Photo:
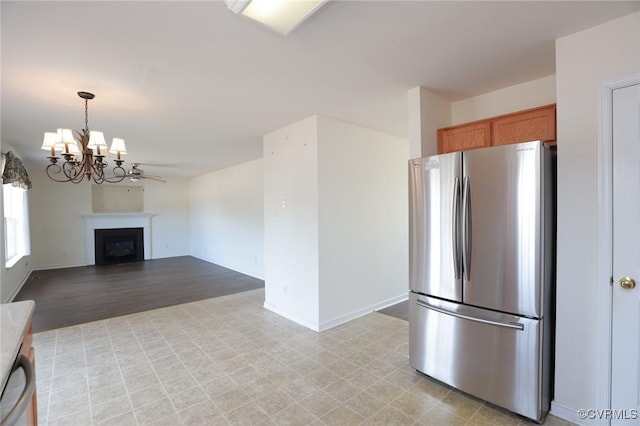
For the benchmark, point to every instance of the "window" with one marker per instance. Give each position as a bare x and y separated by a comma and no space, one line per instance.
16,224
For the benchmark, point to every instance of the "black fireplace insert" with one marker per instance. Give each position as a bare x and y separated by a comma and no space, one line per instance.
120,245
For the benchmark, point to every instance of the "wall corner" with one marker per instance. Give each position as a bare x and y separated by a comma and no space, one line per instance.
427,113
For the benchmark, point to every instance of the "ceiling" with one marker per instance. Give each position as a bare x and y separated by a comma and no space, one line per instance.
193,87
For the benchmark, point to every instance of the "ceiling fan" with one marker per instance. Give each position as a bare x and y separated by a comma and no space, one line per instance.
136,174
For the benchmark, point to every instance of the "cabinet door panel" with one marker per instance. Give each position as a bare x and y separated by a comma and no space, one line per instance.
538,124
462,138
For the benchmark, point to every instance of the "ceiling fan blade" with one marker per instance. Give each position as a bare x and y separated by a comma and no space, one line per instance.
143,163
156,178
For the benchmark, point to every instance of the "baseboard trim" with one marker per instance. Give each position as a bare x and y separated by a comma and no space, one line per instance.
326,325
48,267
566,413
394,300
309,324
15,292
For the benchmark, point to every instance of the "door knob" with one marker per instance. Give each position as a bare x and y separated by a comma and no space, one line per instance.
627,283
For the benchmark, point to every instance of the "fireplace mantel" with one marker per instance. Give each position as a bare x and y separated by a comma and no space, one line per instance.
112,221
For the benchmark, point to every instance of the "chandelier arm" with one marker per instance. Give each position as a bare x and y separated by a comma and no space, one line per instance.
56,170
72,170
78,179
69,174
117,176
78,175
97,173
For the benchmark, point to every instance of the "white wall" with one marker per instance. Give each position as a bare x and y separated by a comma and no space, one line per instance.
363,220
427,113
335,198
169,203
13,278
57,226
55,217
118,198
583,61
522,96
227,219
291,222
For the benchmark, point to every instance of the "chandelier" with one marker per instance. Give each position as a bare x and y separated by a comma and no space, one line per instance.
85,155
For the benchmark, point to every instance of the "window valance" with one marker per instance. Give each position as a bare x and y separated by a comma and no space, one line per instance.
14,171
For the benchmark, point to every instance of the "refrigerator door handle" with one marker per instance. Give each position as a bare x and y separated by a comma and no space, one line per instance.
455,229
466,227
513,325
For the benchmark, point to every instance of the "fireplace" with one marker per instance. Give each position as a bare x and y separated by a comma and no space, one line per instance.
121,245
95,221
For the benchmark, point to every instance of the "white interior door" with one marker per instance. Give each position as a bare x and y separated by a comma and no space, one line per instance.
625,357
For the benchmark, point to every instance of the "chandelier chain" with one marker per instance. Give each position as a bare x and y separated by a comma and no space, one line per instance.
86,115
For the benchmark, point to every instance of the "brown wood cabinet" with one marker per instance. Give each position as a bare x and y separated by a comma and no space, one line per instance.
459,138
532,124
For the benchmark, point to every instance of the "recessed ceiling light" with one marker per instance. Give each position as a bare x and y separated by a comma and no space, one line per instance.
282,16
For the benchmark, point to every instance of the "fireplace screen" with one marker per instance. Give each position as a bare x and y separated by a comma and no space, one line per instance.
119,245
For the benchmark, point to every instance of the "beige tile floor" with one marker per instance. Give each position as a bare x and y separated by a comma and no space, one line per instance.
229,361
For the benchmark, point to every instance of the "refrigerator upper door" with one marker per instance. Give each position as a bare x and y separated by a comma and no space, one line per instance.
502,223
434,238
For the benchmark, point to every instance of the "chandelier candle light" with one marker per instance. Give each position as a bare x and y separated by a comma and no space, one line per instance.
86,160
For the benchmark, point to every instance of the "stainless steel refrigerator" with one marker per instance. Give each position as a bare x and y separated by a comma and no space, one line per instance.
482,271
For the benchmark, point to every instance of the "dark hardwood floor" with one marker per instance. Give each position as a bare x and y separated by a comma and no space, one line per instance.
73,296
399,310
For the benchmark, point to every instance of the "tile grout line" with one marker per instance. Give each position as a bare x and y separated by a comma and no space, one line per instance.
469,421
210,357
294,346
153,368
126,389
53,366
289,346
86,373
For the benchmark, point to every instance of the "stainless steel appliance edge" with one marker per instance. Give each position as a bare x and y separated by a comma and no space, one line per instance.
456,330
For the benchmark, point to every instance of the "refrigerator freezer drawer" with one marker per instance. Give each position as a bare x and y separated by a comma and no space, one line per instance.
493,356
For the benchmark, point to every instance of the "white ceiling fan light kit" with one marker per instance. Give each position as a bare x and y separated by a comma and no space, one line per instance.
136,174
282,16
